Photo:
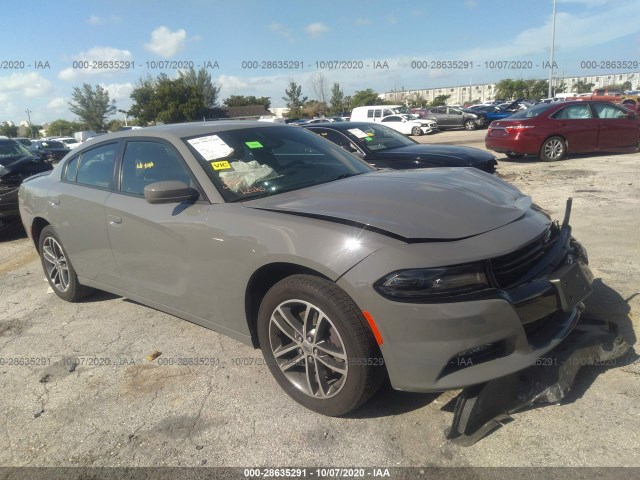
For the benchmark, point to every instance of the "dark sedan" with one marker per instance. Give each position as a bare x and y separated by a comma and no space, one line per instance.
50,149
383,147
16,164
551,130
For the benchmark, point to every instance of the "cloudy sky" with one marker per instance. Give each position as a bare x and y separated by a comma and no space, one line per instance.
43,48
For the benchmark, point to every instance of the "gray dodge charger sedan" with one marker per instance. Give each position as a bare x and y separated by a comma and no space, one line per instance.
341,274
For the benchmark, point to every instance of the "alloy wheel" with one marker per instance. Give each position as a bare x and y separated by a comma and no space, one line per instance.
308,349
553,149
56,264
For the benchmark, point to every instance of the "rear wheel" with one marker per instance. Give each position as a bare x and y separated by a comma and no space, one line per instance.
416,131
469,124
553,148
318,345
59,272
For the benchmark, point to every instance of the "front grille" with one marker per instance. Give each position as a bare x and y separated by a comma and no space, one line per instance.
510,268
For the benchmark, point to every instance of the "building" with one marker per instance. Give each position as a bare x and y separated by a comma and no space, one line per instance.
461,94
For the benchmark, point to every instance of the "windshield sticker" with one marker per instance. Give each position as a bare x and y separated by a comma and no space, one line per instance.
211,147
223,165
141,165
368,139
253,144
357,132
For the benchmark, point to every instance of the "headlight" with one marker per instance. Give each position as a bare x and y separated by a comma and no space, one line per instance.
426,284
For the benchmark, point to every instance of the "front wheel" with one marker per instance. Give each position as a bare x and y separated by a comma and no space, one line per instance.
553,148
59,272
318,345
416,131
469,125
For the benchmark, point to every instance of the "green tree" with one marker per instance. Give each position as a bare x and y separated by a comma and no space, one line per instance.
337,99
561,88
145,106
417,100
169,100
114,125
294,99
366,97
619,86
64,128
92,105
8,130
440,100
314,108
512,89
201,82
246,101
536,89
582,87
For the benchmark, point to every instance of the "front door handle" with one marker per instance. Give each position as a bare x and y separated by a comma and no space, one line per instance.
114,220
54,201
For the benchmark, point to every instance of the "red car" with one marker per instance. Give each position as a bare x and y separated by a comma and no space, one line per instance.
553,130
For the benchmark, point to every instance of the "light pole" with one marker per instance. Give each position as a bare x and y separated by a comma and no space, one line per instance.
28,112
553,44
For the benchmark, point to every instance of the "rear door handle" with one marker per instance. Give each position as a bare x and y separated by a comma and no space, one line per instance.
114,220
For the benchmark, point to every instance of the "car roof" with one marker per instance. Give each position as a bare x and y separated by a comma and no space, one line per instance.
341,125
180,130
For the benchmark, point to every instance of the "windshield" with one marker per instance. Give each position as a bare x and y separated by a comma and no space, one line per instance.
254,162
10,148
401,109
531,112
379,138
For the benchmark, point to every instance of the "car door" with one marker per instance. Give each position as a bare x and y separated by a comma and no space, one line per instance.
616,128
455,118
77,211
156,246
440,115
577,125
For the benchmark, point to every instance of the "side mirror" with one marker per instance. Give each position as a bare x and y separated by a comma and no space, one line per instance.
631,115
171,191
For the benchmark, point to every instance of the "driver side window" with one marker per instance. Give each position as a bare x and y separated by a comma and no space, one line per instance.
146,162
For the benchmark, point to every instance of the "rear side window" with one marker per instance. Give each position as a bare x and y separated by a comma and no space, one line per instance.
369,113
146,162
574,112
605,110
96,166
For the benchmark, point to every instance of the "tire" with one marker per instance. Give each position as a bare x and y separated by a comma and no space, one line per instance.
417,131
553,149
469,124
58,269
514,155
335,331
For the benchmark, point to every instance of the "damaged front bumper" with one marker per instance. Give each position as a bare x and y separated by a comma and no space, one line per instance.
483,408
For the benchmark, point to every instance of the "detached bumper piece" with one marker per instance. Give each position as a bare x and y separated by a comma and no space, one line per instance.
483,408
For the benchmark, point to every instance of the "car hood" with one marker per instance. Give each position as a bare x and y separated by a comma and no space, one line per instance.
412,205
24,164
468,156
